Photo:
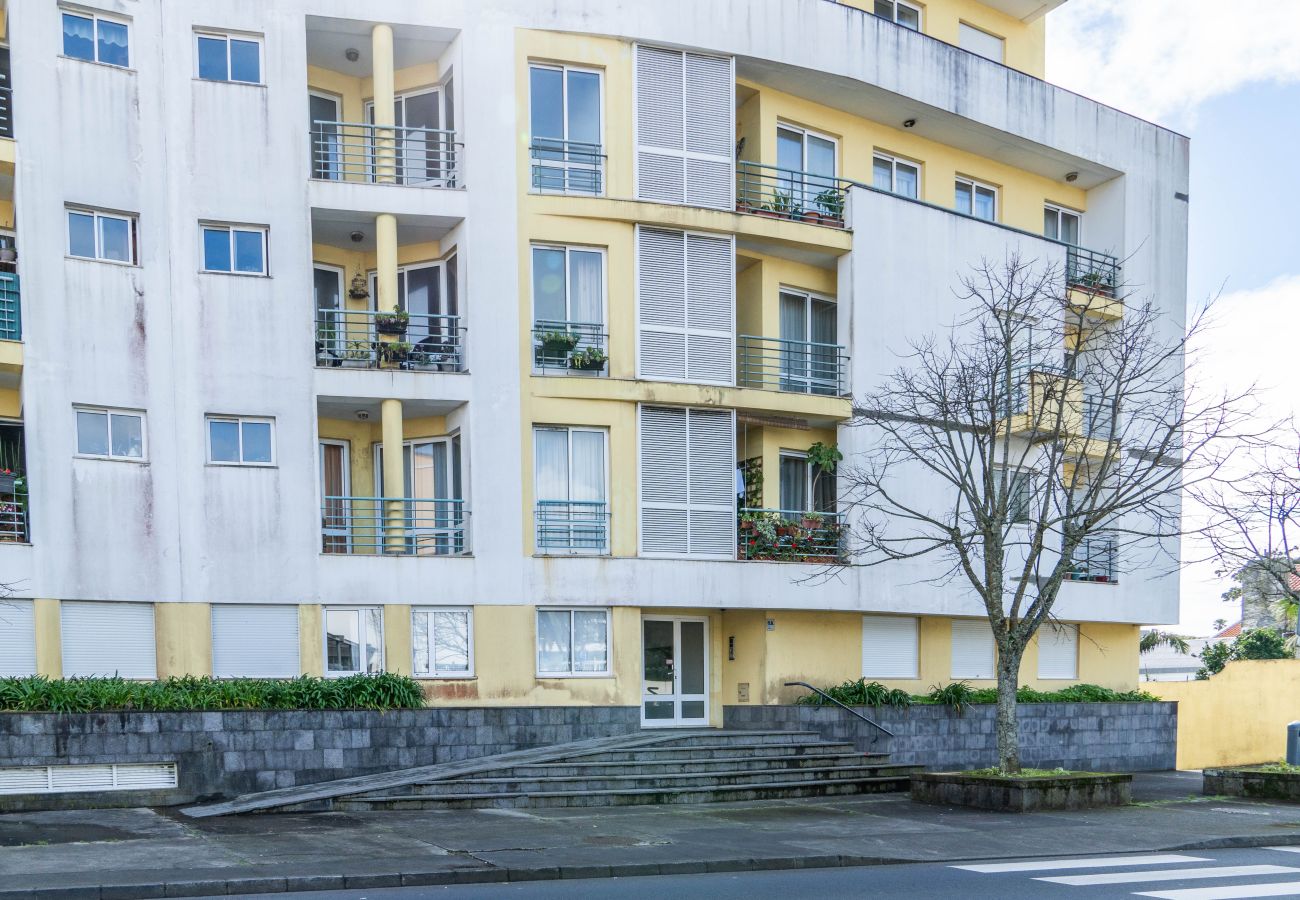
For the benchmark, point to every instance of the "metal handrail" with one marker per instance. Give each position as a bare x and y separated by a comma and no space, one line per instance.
842,706
394,154
401,526
11,323
351,338
1092,270
822,541
791,194
572,526
804,367
572,167
570,353
1095,560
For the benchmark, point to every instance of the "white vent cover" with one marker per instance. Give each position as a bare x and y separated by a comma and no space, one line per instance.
79,779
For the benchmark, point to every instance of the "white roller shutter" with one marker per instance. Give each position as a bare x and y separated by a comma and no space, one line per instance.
890,647
687,482
108,639
685,109
987,45
685,306
972,650
255,641
1058,651
17,638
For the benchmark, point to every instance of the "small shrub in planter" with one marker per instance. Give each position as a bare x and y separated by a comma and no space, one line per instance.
554,347
831,204
392,322
592,359
394,351
1027,791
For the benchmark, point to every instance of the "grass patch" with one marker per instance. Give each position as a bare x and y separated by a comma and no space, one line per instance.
992,772
1277,768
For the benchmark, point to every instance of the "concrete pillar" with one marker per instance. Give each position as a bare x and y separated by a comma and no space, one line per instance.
394,475
386,262
381,51
311,639
49,638
397,638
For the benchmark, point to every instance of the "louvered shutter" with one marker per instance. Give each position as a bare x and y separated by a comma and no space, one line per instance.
687,479
972,650
685,306
889,647
255,641
710,309
1058,651
661,303
685,108
108,639
17,638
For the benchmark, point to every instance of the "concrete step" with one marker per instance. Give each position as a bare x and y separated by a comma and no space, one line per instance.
671,737
629,797
711,751
674,765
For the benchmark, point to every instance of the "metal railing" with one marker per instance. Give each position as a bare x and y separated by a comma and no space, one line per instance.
570,347
13,519
785,535
11,319
827,698
6,106
1097,419
353,338
567,167
572,526
1092,271
1096,560
804,367
395,154
399,526
790,194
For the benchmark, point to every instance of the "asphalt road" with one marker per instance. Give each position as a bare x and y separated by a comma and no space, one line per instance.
1191,875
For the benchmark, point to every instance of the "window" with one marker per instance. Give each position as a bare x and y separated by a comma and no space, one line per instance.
254,641
572,511
108,639
572,642
901,13
224,57
804,487
239,249
1020,495
890,647
976,199
809,161
442,641
566,129
809,353
95,38
94,234
896,175
239,441
110,433
569,309
973,652
980,42
1062,224
1058,651
353,640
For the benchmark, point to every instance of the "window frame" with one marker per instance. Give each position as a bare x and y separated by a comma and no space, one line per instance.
1001,39
1019,476
894,5
109,412
227,37
231,228
240,421
96,16
359,610
96,215
607,672
1059,211
894,161
975,186
433,671
805,133
568,249
564,69
568,430
916,646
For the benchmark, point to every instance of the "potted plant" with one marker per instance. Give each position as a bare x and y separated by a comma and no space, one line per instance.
783,205
358,354
394,322
554,347
10,481
592,359
394,351
831,204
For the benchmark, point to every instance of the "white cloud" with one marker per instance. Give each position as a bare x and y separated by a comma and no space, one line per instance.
1159,59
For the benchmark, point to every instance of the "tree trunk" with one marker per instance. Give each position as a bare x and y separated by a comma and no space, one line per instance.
1007,730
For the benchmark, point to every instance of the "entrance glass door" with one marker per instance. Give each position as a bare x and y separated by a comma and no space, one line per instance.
675,672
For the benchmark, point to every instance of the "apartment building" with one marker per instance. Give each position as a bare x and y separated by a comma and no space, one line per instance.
501,343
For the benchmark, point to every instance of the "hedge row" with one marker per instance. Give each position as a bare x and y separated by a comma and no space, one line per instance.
189,694
960,694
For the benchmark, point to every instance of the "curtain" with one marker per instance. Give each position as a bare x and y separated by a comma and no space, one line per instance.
548,285
794,483
794,328
586,283
882,174
824,329
552,448
374,631
588,465
553,641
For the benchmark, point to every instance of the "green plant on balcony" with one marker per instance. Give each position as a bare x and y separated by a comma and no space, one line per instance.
394,351
358,351
831,203
592,359
783,204
553,347
394,322
813,538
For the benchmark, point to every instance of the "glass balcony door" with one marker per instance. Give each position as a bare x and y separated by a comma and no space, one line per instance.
428,293
808,164
809,352
326,149
424,149
434,513
336,525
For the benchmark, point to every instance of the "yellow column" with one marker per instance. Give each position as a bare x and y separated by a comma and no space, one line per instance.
49,638
386,262
381,50
184,634
390,414
397,638
311,639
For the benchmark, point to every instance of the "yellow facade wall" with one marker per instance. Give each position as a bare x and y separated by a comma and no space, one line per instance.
311,639
184,635
11,403
49,638
1237,717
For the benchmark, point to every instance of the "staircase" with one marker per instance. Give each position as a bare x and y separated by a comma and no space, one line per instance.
698,766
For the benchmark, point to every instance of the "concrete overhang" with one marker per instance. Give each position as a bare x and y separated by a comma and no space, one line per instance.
367,409
336,227
329,40
1024,10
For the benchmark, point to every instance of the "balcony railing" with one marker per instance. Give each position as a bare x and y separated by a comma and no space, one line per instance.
804,367
1096,560
567,167
353,151
406,526
1092,271
11,320
790,194
572,526
352,338
6,105
787,535
1097,419
578,347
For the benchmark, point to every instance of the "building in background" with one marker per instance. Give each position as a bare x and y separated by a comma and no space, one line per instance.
498,342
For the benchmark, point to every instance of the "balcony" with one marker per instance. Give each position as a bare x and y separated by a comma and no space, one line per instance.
406,526
572,527
1095,560
778,193
355,339
802,367
6,93
783,535
13,485
567,167
579,348
11,323
1093,283
354,151
1097,420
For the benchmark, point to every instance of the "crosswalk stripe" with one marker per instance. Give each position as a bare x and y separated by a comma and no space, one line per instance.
1095,862
1234,892
1171,875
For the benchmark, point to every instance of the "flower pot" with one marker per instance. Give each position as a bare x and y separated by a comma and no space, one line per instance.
7,483
583,365
8,255
390,327
812,216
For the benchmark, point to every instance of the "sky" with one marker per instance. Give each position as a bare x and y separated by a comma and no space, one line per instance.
1227,75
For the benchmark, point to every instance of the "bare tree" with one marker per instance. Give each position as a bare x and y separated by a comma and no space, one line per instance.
1045,436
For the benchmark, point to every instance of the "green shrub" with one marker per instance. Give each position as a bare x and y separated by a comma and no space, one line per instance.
959,695
861,693
41,694
1260,643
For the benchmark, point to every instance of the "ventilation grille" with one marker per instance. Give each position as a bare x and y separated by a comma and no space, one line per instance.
74,779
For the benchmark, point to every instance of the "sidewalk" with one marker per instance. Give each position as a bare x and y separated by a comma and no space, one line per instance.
138,853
